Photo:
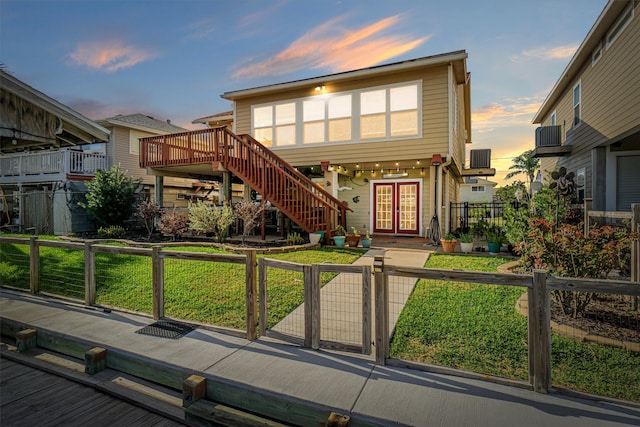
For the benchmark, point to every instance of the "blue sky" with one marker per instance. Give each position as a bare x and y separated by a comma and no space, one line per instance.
172,59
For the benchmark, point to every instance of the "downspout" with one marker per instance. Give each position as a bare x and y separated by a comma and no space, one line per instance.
442,196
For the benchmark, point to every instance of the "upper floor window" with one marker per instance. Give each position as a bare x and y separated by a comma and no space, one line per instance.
134,141
576,104
477,188
553,118
597,54
621,23
374,113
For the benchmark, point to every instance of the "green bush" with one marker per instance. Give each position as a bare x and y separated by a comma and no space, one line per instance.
207,219
111,232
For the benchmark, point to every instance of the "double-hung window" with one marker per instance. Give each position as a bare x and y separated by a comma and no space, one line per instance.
577,98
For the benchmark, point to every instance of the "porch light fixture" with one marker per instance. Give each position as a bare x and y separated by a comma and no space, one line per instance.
320,88
14,141
436,160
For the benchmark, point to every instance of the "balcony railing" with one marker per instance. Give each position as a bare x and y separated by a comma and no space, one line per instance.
49,166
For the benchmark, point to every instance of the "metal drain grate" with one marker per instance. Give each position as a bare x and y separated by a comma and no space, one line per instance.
166,329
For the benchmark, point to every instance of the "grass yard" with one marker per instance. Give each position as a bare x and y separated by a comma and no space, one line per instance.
208,292
476,328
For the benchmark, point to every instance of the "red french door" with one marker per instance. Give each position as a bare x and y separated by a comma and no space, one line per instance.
396,207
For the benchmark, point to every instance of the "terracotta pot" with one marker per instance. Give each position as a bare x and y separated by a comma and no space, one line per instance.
353,240
448,246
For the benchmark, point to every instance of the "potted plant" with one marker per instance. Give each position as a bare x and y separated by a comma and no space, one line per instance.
339,236
366,240
466,242
353,239
494,241
449,243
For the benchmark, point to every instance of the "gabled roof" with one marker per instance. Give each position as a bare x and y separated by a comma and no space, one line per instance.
598,31
458,57
479,181
72,128
142,122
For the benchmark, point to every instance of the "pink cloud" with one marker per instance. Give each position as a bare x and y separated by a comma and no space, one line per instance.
109,55
547,53
333,47
506,112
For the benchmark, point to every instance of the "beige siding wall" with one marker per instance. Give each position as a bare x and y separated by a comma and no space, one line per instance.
118,150
434,123
610,90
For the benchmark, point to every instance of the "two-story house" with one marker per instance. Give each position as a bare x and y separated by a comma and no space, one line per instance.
42,164
379,149
590,121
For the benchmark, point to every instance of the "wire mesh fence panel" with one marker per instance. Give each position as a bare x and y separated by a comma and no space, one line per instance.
341,308
124,281
62,272
14,265
205,291
285,302
466,326
595,343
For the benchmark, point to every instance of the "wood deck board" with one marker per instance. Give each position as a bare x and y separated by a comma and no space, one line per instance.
33,397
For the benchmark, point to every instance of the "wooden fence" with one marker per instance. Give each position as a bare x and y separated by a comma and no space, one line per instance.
538,286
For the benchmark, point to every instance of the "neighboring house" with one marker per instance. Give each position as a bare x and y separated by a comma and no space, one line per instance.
590,121
42,165
477,190
124,149
380,148
215,120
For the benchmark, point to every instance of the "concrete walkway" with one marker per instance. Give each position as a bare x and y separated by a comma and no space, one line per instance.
370,394
341,299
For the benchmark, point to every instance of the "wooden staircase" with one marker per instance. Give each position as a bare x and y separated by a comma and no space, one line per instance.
295,195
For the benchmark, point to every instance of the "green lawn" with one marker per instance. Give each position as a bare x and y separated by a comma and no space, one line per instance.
475,328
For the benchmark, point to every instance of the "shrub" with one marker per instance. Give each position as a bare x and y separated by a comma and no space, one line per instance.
215,220
173,224
148,212
111,232
111,197
567,252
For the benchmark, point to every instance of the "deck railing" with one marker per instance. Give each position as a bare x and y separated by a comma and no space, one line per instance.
307,204
47,165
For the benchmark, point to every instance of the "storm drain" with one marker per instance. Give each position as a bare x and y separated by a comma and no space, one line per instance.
166,329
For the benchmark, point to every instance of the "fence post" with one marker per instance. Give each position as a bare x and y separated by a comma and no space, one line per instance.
89,275
635,249
262,297
366,309
315,306
34,265
157,268
309,303
540,333
250,301
382,310
588,203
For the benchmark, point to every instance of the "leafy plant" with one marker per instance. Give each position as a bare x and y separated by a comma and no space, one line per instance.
111,196
340,231
449,237
173,224
111,232
148,212
354,231
249,213
495,236
215,220
466,238
294,239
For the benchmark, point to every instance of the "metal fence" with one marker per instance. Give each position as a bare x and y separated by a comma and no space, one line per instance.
467,214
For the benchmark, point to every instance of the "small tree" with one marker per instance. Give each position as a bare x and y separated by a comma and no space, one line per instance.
524,163
249,213
205,219
111,197
148,212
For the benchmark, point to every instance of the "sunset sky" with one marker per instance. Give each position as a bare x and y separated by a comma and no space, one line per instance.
172,59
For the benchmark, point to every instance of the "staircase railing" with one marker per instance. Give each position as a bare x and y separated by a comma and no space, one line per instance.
299,198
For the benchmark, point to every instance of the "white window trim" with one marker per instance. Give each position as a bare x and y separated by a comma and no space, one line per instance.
355,117
618,21
573,110
553,119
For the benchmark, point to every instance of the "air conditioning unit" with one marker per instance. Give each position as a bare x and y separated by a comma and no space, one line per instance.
480,159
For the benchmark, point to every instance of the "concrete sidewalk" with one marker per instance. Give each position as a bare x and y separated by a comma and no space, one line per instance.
370,394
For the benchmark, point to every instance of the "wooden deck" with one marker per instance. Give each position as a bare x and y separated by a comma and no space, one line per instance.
32,397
